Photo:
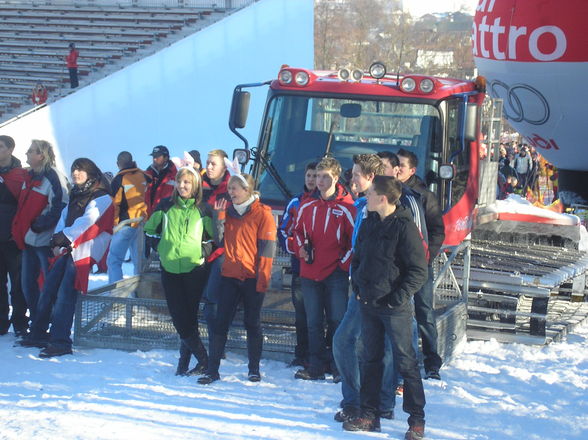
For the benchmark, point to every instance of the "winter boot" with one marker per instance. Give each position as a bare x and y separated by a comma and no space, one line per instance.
415,433
195,345
365,422
184,360
346,414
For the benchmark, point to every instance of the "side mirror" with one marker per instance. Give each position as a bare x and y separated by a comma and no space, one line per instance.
446,171
239,109
242,155
471,123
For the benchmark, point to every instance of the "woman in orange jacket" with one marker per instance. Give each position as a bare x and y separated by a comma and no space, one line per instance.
247,230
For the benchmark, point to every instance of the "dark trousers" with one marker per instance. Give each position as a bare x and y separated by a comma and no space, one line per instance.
301,350
35,261
324,299
425,316
57,304
73,77
395,323
232,291
211,293
10,265
182,293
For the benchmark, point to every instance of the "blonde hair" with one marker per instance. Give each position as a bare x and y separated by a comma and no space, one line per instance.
250,188
196,185
330,164
46,149
219,153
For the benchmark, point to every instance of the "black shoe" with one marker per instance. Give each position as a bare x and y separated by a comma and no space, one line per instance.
53,351
364,422
254,377
184,360
346,414
195,345
31,343
305,374
415,433
433,373
389,415
208,379
21,332
198,370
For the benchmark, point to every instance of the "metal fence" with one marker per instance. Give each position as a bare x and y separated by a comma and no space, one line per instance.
209,4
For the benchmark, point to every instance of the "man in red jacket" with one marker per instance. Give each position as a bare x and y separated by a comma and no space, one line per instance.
12,176
161,178
72,65
322,239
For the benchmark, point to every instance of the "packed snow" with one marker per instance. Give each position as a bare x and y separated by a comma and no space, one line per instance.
489,391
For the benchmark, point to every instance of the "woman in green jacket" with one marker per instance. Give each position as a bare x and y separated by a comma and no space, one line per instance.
181,226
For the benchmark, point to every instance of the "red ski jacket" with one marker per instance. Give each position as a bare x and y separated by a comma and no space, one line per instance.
328,225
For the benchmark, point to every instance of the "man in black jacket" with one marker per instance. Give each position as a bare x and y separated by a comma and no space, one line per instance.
388,267
423,300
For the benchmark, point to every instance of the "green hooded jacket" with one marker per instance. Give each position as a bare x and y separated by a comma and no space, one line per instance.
181,227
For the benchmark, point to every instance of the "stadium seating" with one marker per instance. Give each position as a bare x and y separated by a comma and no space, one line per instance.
34,41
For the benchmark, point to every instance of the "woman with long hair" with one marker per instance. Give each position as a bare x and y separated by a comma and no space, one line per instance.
247,230
40,205
181,224
80,240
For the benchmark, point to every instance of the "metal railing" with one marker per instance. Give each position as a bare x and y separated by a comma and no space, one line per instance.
210,4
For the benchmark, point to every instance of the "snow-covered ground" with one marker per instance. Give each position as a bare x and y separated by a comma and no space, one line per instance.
488,391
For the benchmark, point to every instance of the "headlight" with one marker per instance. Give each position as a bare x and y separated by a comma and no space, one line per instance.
378,70
285,77
426,85
301,78
344,74
408,84
356,75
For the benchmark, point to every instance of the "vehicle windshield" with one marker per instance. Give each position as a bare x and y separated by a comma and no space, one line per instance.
301,129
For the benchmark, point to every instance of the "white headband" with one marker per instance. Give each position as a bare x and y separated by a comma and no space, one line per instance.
235,171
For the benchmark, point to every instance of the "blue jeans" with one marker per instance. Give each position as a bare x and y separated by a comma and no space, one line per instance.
346,348
57,304
125,239
323,299
395,323
233,292
35,260
211,294
301,350
425,316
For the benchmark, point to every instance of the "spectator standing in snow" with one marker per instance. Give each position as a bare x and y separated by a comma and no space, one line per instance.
247,231
389,266
81,238
322,240
128,190
43,197
181,224
161,174
423,300
214,187
285,238
12,177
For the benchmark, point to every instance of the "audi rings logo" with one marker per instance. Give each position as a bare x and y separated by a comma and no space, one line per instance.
522,103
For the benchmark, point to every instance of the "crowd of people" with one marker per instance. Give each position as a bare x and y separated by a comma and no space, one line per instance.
520,170
361,262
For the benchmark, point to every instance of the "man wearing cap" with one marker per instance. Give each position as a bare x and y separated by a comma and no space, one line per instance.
162,174
128,190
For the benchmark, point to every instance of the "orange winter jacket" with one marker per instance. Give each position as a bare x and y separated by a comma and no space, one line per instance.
250,242
128,190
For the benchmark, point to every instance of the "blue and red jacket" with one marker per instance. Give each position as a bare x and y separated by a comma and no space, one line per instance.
328,225
287,224
41,201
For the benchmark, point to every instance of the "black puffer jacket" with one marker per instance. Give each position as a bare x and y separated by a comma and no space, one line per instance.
389,264
433,215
